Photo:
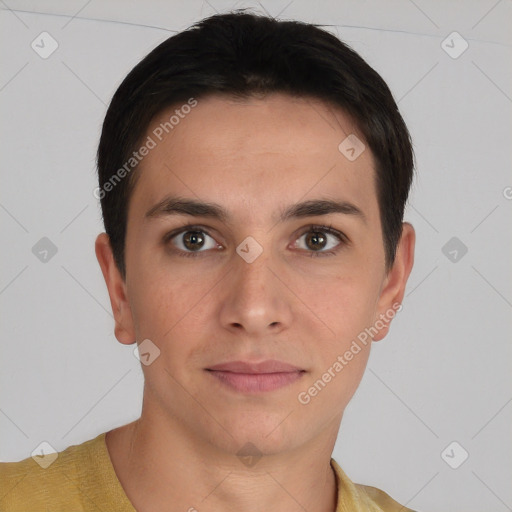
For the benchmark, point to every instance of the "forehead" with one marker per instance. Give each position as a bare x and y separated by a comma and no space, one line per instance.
252,154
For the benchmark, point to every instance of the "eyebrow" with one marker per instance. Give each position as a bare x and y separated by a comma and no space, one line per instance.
184,206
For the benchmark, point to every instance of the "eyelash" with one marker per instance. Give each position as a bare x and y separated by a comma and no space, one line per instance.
312,228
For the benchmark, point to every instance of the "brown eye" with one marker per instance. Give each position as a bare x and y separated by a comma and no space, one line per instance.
315,240
193,240
321,241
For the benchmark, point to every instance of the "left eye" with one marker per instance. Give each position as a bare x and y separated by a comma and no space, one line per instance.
319,240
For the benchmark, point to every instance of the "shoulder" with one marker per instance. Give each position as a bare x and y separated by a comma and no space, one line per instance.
360,497
385,502
42,480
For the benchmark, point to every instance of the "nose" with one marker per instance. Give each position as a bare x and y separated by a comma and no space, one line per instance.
254,299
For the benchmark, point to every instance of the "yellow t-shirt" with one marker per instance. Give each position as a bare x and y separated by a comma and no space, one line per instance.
82,479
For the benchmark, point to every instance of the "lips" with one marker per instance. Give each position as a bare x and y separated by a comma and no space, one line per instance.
270,366
247,377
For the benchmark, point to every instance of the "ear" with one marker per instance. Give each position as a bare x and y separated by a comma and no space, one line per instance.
124,327
393,288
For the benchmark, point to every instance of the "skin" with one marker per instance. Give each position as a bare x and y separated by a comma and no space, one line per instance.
253,157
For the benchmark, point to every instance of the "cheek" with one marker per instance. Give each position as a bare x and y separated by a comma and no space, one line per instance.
342,357
347,304
158,302
328,391
173,311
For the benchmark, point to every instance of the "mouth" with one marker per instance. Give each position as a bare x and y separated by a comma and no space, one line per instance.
247,377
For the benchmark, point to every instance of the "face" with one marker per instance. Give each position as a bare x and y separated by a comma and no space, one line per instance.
254,276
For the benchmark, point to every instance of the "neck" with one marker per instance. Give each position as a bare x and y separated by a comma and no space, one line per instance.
159,463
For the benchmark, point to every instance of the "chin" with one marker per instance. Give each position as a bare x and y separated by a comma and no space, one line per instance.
268,433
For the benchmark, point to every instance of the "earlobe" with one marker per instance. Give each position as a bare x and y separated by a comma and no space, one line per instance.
393,290
124,330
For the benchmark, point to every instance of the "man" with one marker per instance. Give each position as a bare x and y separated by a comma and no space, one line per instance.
253,175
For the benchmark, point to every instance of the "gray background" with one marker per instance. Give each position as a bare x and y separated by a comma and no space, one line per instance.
444,372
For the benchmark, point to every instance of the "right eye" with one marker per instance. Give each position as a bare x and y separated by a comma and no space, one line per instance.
191,241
